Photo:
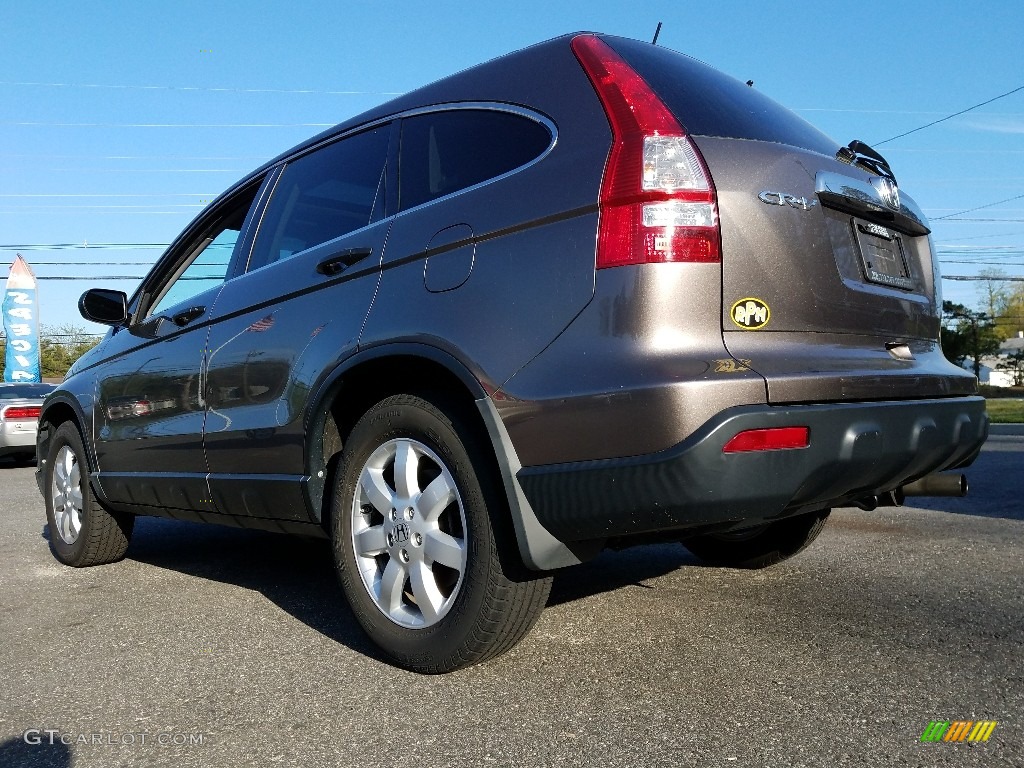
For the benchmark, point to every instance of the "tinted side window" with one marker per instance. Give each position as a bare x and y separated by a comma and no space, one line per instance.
206,260
323,195
443,152
709,103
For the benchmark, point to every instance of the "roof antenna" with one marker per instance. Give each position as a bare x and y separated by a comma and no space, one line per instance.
656,33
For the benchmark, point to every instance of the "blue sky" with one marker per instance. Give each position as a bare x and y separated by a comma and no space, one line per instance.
118,121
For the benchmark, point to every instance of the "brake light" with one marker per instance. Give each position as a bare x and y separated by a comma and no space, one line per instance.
775,439
22,413
657,201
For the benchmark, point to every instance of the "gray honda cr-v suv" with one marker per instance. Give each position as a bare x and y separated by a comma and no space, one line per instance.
591,293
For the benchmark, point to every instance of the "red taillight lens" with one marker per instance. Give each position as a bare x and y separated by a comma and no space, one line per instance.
22,413
657,200
777,439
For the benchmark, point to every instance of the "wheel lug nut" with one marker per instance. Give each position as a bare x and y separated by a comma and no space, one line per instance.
404,555
410,513
418,539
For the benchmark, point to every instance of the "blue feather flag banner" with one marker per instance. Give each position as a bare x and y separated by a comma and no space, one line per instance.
21,324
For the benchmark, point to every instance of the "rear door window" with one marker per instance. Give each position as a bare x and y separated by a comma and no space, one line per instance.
444,152
325,194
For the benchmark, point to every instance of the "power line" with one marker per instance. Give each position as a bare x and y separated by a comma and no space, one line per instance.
893,111
958,151
988,263
101,207
978,208
982,237
143,170
1008,279
1008,221
143,157
84,246
949,117
108,194
987,250
104,277
65,343
17,212
164,125
90,246
199,88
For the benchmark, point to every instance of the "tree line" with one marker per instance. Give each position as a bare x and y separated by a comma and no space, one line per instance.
973,334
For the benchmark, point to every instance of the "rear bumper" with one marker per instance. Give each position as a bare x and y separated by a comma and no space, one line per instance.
856,449
17,437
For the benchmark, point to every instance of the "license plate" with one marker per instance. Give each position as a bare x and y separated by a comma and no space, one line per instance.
881,254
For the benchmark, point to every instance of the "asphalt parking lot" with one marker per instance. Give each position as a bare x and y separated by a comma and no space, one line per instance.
210,646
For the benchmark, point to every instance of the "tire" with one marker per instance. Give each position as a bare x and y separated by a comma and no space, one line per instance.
759,547
82,532
423,542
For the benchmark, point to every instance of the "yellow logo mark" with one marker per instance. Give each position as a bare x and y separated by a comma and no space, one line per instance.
750,314
731,365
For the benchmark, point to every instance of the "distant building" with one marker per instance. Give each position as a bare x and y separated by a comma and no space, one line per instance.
990,372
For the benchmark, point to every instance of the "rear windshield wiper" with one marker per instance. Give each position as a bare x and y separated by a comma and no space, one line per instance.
860,154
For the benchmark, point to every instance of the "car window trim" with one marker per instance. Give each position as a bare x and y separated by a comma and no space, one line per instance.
182,250
247,239
244,265
482,106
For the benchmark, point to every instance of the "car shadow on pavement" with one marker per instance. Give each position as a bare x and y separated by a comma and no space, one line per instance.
10,462
296,573
613,570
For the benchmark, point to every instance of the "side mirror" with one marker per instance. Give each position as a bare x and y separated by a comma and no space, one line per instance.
104,306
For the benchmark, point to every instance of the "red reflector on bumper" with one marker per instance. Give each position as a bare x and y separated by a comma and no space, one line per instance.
777,439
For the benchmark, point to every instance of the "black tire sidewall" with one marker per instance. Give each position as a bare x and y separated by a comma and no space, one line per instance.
779,541
67,435
409,417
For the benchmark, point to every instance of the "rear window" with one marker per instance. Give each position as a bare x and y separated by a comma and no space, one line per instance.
709,103
443,152
23,391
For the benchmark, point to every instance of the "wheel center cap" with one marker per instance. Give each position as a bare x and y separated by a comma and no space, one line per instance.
399,535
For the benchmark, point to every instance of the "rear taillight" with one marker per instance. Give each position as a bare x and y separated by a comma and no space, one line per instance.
657,200
773,439
21,413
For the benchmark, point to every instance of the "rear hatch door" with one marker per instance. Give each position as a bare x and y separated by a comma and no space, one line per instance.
828,276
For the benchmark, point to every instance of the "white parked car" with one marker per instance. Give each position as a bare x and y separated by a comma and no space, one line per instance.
20,405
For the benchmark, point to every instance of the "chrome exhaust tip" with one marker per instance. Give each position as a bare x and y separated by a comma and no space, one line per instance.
937,485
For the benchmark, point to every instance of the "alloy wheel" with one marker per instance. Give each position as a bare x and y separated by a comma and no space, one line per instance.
409,533
66,491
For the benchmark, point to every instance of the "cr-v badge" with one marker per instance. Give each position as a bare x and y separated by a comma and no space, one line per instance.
781,198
